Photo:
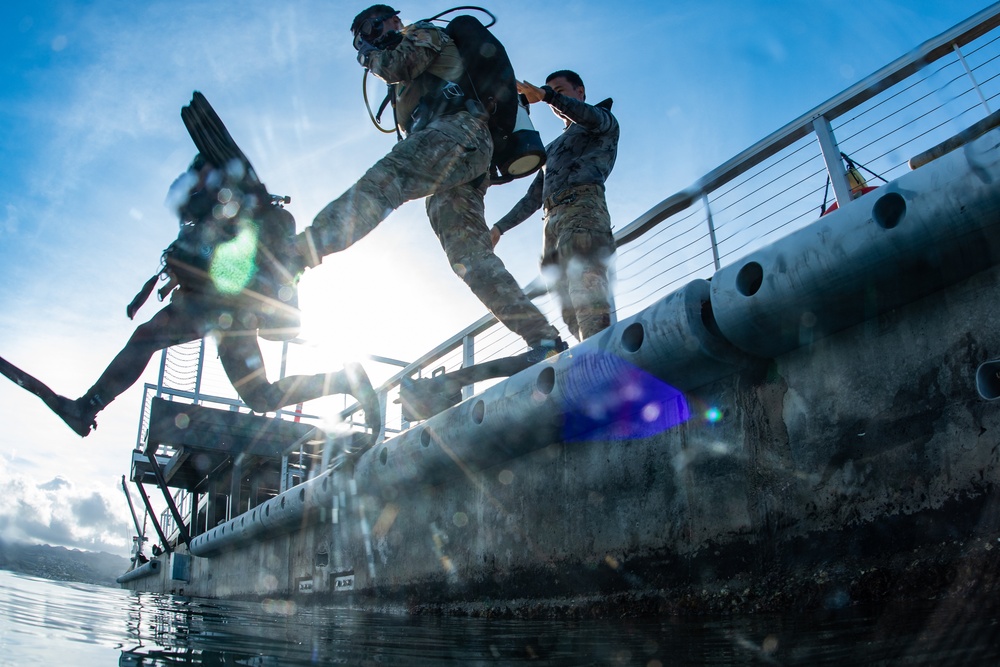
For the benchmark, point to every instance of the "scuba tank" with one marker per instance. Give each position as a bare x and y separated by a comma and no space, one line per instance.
522,152
517,147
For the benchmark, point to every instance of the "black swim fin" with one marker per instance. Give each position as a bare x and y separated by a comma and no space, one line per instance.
67,409
211,137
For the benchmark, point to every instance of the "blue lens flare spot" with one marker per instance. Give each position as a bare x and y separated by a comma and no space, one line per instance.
607,398
713,415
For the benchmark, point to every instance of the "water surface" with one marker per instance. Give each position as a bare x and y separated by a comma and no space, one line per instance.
60,623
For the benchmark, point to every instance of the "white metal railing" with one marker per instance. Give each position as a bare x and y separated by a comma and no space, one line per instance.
779,184
774,187
181,378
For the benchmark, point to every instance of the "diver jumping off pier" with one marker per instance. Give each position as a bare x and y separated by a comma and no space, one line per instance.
225,275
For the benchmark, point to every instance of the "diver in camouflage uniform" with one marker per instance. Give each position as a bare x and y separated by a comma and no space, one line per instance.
207,302
445,157
570,190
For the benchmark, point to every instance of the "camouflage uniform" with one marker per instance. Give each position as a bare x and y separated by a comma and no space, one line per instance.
446,161
191,315
249,296
570,190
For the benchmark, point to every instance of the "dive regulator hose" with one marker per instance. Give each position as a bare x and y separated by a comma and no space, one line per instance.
368,106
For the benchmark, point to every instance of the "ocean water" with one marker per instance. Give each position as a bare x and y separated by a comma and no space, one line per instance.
58,623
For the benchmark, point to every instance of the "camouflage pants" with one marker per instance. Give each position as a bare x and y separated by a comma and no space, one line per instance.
192,315
579,243
442,162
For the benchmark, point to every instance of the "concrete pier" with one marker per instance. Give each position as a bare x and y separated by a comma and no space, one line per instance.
843,457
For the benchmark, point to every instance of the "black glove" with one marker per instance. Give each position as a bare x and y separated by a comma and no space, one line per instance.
301,253
386,42
365,49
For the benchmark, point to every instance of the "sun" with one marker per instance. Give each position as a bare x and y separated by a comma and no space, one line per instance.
345,316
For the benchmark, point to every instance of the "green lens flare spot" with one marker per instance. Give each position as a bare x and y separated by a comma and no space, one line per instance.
234,263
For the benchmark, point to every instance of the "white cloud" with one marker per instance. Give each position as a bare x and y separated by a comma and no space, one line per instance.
58,513
54,484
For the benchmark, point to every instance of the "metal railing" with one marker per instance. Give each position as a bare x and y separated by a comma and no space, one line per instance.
187,376
780,184
773,188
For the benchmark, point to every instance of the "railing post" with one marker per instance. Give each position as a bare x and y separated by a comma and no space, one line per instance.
711,230
972,78
197,377
163,370
235,486
834,163
193,528
468,359
284,360
142,416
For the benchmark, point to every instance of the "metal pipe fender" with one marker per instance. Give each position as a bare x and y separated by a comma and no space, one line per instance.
926,230
147,569
507,420
678,340
281,513
288,509
651,357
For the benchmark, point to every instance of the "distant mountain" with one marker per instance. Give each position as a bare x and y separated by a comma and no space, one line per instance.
62,564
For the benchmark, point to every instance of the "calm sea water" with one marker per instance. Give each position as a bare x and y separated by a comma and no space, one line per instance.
56,623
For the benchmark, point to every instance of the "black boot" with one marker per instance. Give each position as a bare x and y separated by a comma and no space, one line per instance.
546,348
362,390
80,415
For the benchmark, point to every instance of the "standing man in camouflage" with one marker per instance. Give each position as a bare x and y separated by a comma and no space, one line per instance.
445,157
570,190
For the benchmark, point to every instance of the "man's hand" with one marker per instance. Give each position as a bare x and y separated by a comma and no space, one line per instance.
364,51
494,235
532,92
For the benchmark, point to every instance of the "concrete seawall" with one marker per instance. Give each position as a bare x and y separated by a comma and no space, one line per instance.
868,451
844,458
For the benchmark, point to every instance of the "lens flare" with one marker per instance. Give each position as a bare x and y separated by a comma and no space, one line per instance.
607,398
235,261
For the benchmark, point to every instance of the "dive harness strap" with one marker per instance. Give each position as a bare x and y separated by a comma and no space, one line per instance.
389,97
141,297
447,98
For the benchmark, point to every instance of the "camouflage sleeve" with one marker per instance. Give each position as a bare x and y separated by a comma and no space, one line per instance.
530,202
587,116
421,44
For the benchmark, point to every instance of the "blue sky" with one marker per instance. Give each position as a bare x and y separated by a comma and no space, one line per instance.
91,136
